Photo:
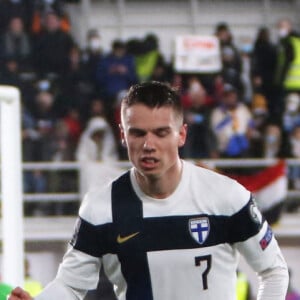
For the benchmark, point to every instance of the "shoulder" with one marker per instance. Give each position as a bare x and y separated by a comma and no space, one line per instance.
96,205
221,194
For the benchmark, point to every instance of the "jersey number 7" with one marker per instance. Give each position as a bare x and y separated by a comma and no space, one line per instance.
198,261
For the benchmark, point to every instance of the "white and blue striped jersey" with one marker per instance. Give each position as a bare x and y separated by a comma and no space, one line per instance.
185,246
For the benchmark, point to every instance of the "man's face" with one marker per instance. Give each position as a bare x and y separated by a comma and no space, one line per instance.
230,100
52,22
152,136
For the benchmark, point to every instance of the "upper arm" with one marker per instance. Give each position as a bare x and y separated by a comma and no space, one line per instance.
261,251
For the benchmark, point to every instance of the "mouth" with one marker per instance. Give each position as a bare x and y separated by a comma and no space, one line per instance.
149,162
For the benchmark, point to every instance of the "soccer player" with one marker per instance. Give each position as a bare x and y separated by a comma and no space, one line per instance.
166,229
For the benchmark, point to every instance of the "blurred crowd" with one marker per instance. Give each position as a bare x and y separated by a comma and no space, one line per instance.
71,95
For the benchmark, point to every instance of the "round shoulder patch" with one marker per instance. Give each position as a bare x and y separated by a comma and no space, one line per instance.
255,213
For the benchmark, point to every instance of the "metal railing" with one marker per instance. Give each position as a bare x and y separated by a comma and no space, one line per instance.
75,166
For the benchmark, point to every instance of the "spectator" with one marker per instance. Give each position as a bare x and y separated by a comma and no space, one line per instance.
92,55
94,108
272,141
291,115
116,73
52,47
45,120
290,120
41,7
66,136
201,142
73,126
74,87
263,66
16,44
231,59
288,64
33,181
147,56
230,122
259,122
97,142
246,49
162,72
10,74
63,145
45,116
96,145
29,134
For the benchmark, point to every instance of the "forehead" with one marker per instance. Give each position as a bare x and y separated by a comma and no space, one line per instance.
142,116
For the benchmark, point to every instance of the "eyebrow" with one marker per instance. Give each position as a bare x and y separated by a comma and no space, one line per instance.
143,131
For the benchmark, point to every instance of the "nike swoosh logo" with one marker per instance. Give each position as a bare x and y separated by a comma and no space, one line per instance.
123,239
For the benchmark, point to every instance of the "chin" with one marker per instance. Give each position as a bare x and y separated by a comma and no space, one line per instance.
150,173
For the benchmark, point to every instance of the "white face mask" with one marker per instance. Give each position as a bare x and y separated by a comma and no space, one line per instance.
295,147
292,107
283,32
95,44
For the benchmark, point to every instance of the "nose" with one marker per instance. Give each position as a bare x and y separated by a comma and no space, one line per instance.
148,143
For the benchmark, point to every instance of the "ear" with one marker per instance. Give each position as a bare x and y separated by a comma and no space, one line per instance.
122,134
182,135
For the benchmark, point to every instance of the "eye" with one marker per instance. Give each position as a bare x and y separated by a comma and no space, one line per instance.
162,132
136,132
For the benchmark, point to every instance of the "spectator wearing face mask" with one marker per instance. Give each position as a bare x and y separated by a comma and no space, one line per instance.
272,141
290,119
291,115
92,54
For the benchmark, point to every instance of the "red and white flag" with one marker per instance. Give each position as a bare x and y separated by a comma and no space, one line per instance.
269,186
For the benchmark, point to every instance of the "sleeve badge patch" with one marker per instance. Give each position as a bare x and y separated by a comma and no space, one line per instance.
265,241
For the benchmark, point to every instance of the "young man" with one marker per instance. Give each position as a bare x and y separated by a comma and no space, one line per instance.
166,229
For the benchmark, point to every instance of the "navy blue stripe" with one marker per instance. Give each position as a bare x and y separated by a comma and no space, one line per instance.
94,240
163,233
127,211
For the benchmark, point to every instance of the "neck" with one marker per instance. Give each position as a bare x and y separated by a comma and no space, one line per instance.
162,186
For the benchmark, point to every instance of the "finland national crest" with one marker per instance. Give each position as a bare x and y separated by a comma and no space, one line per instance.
199,229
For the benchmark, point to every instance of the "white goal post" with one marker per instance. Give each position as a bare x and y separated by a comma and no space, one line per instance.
12,271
